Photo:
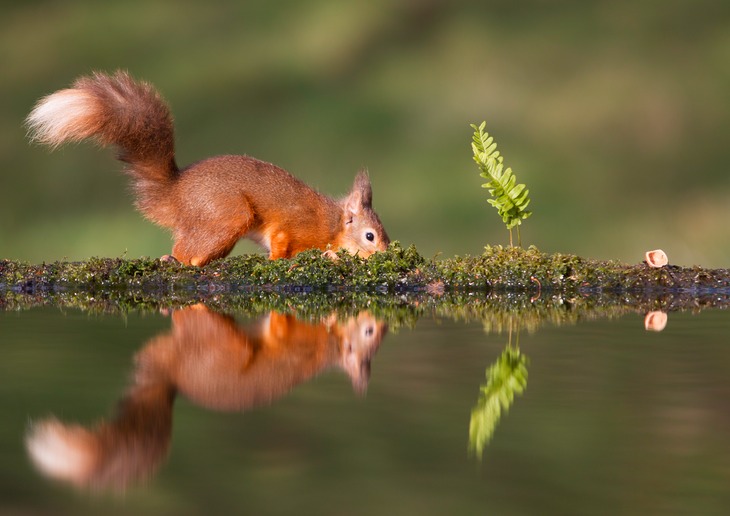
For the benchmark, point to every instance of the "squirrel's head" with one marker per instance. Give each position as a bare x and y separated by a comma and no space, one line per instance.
360,338
362,232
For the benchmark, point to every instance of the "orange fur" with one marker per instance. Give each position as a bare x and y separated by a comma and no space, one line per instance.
222,365
211,204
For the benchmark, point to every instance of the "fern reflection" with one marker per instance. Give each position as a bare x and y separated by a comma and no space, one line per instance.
506,377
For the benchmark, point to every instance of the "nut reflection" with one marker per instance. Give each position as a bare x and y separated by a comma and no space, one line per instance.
655,321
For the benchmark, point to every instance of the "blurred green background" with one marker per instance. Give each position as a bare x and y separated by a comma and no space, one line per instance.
615,113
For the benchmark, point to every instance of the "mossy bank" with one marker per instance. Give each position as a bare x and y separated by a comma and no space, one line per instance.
497,269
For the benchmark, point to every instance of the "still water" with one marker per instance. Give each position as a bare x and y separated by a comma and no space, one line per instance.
198,412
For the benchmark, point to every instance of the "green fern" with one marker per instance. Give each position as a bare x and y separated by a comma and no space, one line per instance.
509,198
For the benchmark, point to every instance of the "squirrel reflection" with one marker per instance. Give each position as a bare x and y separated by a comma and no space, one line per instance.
214,362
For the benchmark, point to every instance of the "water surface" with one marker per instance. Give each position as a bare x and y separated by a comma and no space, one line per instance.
202,412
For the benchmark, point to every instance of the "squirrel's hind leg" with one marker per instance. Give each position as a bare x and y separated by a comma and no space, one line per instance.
206,240
198,248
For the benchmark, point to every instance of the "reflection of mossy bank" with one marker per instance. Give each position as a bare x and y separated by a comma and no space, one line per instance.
498,269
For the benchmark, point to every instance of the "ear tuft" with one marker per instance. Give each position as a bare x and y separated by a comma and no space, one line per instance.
362,184
361,195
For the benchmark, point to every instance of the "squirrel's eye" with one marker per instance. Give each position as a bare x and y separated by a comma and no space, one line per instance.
370,236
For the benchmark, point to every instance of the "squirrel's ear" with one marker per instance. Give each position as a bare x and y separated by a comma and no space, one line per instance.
359,372
361,195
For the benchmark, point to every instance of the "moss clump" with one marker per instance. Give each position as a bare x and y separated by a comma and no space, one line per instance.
514,268
396,266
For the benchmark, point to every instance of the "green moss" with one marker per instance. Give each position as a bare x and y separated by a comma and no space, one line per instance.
398,269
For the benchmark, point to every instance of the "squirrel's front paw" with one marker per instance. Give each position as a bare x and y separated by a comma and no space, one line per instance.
329,253
168,258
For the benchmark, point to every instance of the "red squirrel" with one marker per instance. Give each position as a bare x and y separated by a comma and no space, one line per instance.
213,203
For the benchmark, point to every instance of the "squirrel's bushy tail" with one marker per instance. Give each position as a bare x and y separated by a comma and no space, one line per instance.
115,110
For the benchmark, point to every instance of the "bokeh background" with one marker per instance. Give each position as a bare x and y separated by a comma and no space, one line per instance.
615,113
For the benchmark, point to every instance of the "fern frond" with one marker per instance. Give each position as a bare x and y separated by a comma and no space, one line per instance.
508,197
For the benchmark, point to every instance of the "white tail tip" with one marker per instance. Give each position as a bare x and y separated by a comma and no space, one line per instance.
67,115
60,451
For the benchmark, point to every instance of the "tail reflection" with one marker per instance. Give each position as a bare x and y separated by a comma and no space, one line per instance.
216,363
